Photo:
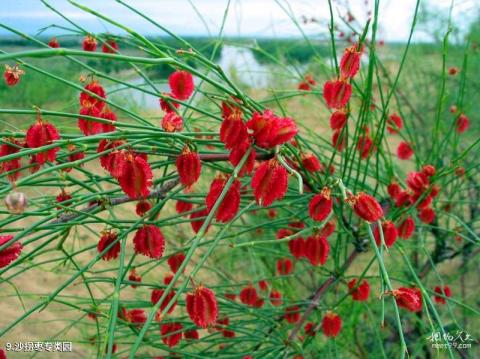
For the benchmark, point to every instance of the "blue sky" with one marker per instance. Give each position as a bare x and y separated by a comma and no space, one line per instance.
245,18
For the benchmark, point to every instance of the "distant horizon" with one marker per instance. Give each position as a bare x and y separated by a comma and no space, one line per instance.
17,38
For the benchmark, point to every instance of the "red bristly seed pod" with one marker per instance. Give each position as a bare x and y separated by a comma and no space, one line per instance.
276,298
106,239
188,167
292,314
394,190
339,140
237,154
171,333
172,122
297,247
63,197
142,207
40,134
34,165
331,324
175,261
259,303
462,123
442,290
272,213
365,146
168,279
135,316
308,78
88,126
428,170
10,147
270,130
249,296
228,208
182,206
110,46
233,132
404,151
222,323
230,296
389,234
362,292
283,131
87,100
10,253
427,215
269,182
406,228
459,171
427,201
149,241
134,277
198,223
284,266
202,307
166,104
181,84
263,285
338,120
191,334
452,71
327,230
155,297
366,207
403,198
304,86
89,43
408,298
307,83
228,333
418,182
53,43
394,123
350,62
435,190
231,108
337,93
320,205
317,249
309,329
108,114
311,163
12,75
73,156
135,176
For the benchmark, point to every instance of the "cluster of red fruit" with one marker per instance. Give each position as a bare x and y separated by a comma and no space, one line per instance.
337,93
420,192
269,181
89,43
92,104
201,303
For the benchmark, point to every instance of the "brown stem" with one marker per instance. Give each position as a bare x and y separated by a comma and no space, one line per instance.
158,193
318,294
